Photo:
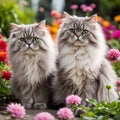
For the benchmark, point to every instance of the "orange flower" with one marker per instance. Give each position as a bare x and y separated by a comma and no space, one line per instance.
3,56
106,23
117,18
100,19
54,37
54,30
49,28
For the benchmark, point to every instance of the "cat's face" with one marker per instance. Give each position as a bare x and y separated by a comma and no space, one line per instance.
79,30
28,38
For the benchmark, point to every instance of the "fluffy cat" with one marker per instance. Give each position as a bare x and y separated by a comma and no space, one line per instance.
32,56
82,66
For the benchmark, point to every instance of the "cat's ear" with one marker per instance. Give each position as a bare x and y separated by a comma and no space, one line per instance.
92,19
41,24
14,26
67,16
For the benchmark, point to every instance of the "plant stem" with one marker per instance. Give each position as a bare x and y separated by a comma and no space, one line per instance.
74,12
109,99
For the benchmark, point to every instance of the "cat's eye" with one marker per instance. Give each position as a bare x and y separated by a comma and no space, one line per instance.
35,38
84,31
72,30
22,39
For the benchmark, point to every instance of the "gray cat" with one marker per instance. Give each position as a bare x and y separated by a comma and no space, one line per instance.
82,67
32,56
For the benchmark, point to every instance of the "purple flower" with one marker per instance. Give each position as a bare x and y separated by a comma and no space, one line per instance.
73,99
65,113
108,36
116,34
16,110
44,116
113,55
112,27
107,33
74,6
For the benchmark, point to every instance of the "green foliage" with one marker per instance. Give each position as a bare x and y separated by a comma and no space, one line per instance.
11,13
100,111
5,91
116,67
109,8
114,44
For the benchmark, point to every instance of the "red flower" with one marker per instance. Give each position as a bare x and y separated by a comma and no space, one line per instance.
6,75
3,45
3,56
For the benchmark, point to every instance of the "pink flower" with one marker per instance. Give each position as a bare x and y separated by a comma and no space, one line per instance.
65,113
113,55
44,116
73,99
116,34
118,88
74,6
93,5
55,14
87,9
16,110
118,83
83,6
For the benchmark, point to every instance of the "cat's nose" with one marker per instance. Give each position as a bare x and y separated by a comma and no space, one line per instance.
29,42
78,35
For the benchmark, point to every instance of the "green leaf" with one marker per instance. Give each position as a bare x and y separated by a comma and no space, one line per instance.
92,101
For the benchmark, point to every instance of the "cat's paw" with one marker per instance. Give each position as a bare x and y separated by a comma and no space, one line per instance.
27,103
39,105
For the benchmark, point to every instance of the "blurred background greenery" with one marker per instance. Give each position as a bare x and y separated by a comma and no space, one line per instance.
12,11
22,11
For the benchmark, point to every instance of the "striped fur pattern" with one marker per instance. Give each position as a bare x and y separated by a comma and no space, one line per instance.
82,67
32,55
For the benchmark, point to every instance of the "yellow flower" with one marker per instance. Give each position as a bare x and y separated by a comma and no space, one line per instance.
117,18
